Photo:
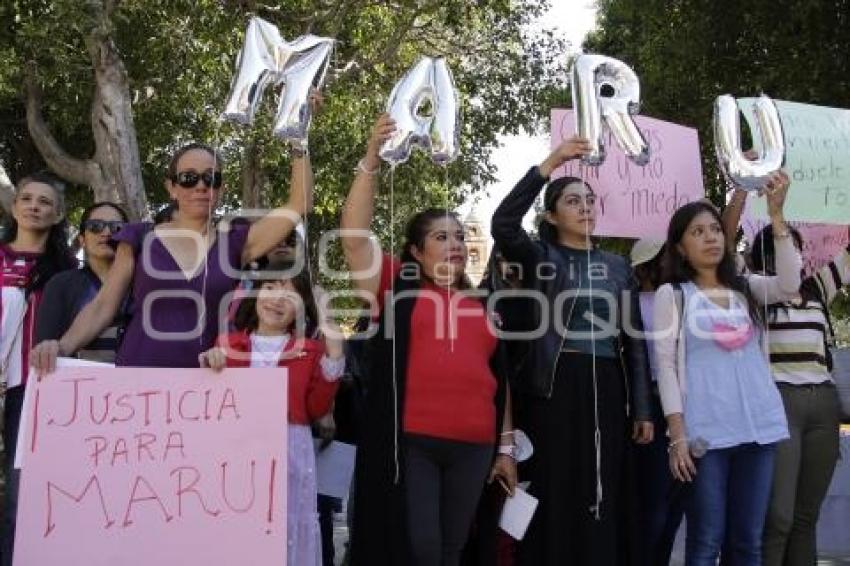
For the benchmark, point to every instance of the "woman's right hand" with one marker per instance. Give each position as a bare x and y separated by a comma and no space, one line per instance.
43,357
214,358
383,130
681,464
571,148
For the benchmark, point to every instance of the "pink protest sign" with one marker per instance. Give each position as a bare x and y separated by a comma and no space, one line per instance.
634,201
139,466
821,242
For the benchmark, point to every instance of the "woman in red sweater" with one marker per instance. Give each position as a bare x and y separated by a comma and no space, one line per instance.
435,404
272,328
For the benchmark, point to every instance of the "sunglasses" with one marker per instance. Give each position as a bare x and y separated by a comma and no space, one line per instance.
190,179
98,226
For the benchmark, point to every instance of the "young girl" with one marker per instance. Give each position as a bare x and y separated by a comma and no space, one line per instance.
272,331
34,248
723,411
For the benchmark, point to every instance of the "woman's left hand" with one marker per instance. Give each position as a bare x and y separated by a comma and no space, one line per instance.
504,471
643,432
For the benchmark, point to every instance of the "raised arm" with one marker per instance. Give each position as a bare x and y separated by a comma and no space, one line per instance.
277,224
785,285
94,317
358,243
833,276
506,226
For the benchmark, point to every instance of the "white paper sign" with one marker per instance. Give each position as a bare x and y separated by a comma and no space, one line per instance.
334,468
517,513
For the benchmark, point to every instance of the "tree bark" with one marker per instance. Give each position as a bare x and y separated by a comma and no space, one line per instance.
254,178
7,190
117,149
114,171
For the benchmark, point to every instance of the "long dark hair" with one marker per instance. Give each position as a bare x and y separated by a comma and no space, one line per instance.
246,315
415,234
545,229
57,254
678,270
763,259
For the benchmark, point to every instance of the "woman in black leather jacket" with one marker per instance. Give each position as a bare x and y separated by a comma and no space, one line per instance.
584,375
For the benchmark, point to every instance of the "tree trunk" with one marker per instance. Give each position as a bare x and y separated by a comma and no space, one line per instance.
117,150
7,190
114,172
253,177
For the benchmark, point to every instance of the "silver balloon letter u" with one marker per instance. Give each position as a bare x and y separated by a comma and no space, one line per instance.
740,171
430,80
298,65
606,90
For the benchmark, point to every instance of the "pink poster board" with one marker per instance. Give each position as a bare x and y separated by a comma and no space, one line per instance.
821,242
139,466
634,201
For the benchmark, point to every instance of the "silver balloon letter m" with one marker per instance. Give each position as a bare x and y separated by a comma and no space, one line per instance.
298,65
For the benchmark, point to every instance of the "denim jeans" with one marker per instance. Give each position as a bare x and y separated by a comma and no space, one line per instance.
729,502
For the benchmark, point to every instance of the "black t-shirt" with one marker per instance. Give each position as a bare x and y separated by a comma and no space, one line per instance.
64,297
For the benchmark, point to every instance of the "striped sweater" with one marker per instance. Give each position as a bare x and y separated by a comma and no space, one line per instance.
797,329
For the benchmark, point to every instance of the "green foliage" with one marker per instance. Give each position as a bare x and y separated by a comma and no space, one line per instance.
180,54
687,52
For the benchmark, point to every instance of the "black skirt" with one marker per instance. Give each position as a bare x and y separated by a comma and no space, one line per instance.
563,469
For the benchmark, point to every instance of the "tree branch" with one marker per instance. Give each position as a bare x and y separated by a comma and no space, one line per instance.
7,190
68,167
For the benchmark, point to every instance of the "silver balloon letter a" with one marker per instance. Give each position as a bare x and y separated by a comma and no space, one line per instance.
298,66
742,172
607,91
429,81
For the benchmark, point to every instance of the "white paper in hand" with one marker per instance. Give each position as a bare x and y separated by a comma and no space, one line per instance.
517,513
334,468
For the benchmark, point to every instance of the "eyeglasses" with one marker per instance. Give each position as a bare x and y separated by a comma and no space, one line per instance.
189,179
575,201
98,226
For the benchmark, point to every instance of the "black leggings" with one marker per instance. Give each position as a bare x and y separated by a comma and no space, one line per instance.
444,480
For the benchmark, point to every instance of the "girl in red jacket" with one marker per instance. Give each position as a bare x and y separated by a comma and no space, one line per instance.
273,325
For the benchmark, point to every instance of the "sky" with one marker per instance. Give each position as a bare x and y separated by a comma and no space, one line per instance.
573,19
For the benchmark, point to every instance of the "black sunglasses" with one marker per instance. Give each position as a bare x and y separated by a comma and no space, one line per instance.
98,226
189,179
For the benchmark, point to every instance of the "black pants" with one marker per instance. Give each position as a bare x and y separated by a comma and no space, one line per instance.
444,480
327,506
11,423
661,498
563,471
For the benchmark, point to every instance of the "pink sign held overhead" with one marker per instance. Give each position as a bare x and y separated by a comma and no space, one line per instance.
138,466
637,201
821,242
